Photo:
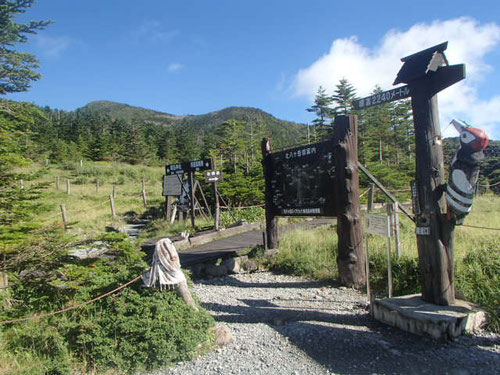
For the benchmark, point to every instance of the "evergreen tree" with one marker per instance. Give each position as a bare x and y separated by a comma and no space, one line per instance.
321,108
16,68
343,97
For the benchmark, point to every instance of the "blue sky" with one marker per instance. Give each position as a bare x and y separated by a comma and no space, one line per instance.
197,56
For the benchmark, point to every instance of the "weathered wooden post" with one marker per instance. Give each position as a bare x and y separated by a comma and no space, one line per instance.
271,219
351,256
191,198
168,207
426,76
371,193
144,198
58,180
68,186
112,203
64,216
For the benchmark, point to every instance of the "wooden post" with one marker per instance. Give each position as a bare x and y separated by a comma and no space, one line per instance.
271,219
217,207
97,185
114,191
21,183
112,202
434,232
81,163
192,201
58,180
172,217
389,261
168,207
144,198
64,216
143,184
371,194
367,270
68,186
351,256
397,231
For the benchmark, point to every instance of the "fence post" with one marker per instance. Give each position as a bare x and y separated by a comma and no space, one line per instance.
389,262
112,202
114,191
68,187
57,182
97,185
168,207
144,198
81,163
64,216
371,193
21,183
397,232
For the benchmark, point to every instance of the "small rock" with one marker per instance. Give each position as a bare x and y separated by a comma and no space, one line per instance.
223,336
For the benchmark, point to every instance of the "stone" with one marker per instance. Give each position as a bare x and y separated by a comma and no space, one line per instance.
216,271
412,314
233,265
223,336
251,266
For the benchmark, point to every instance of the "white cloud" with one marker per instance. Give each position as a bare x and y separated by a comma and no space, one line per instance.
469,43
51,46
153,31
174,67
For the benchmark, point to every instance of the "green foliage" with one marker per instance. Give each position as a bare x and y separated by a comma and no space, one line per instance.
251,215
307,253
133,330
16,68
478,277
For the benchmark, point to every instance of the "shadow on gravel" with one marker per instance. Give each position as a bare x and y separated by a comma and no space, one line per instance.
354,343
230,281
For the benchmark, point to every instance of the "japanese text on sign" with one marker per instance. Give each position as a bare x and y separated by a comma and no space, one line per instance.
378,224
383,97
301,180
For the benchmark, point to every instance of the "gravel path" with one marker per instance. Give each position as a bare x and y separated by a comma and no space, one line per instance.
290,325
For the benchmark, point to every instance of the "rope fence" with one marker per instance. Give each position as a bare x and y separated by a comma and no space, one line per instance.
45,315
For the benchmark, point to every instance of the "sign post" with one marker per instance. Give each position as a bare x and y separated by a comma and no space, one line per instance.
426,73
380,225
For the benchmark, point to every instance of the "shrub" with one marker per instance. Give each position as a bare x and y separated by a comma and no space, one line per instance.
478,277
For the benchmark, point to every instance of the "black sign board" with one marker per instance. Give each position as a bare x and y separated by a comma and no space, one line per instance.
189,166
383,98
302,180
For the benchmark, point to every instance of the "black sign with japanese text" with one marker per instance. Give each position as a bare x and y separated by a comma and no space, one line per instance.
189,166
302,180
382,98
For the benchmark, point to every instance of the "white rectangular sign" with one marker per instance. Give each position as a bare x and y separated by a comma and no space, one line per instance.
378,224
172,185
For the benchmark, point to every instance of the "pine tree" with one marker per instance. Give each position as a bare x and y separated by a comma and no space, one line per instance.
321,107
343,97
16,68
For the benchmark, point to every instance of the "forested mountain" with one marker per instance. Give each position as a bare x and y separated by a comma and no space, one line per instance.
106,130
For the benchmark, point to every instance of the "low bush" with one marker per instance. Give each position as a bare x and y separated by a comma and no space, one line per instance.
132,330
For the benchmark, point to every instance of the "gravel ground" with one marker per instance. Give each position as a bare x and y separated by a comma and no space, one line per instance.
290,325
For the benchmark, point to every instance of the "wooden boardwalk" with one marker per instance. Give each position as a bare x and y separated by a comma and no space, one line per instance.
232,246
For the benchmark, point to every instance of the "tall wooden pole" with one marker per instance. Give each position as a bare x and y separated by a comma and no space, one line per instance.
351,255
271,219
434,232
168,208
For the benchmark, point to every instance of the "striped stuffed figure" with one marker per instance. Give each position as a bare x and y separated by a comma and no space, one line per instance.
464,170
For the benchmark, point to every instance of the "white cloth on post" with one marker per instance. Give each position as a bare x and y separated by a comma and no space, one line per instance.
165,268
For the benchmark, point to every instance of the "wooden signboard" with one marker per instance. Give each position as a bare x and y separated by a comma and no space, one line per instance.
378,224
301,180
172,185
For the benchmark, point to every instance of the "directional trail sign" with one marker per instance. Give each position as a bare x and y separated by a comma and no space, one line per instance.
302,180
189,166
214,176
383,97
